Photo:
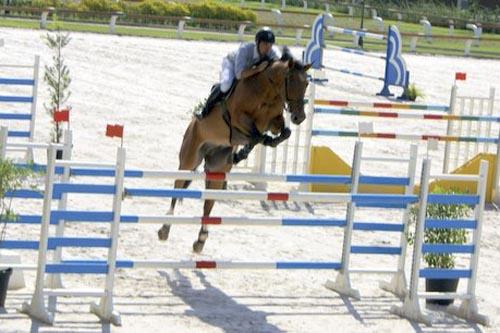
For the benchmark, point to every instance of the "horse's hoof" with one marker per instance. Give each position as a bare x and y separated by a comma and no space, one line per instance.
198,247
163,232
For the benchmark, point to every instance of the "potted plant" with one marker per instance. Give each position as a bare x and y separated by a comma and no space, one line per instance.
11,178
57,77
412,92
442,236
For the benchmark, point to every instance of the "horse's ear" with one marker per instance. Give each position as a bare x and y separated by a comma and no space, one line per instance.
307,67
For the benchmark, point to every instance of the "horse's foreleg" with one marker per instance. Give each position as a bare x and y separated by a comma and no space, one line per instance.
189,159
274,142
165,229
207,208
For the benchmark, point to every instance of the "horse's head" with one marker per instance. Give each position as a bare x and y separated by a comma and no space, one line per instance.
295,85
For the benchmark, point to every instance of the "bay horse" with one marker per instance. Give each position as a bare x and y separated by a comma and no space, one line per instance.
254,107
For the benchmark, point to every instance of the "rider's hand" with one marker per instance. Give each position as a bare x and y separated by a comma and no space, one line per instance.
262,66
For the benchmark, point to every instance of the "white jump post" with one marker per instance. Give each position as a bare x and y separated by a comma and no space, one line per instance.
305,4
34,94
283,4
54,280
36,308
342,283
3,141
451,27
104,309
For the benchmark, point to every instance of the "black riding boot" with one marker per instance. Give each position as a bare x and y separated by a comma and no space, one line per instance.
216,95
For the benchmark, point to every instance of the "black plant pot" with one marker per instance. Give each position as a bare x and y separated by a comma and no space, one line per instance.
59,154
4,283
441,285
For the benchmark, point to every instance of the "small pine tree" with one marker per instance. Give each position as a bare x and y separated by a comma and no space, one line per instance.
57,77
12,178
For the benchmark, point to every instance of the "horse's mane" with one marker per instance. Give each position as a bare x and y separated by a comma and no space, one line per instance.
286,54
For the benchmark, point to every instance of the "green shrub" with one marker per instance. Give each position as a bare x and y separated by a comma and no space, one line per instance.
12,178
100,6
158,7
442,235
214,10
46,3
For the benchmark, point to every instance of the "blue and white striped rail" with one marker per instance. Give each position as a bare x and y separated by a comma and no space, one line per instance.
347,71
101,266
363,34
357,52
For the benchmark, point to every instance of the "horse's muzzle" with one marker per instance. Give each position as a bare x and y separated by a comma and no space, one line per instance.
298,118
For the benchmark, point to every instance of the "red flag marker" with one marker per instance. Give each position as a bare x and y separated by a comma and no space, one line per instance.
114,131
61,115
460,76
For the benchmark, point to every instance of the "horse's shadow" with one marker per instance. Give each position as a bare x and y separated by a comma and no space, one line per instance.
216,308
269,206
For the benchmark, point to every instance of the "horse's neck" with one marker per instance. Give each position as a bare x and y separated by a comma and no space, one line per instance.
255,102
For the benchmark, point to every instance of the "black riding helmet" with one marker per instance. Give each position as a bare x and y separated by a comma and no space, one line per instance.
264,34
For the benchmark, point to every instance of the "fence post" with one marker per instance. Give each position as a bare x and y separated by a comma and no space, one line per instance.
43,18
112,21
451,28
468,44
180,26
413,44
427,28
476,30
241,30
298,36
279,20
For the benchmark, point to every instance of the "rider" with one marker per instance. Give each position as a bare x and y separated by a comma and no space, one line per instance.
240,64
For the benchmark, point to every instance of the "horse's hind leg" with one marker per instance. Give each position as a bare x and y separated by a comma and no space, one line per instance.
225,166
